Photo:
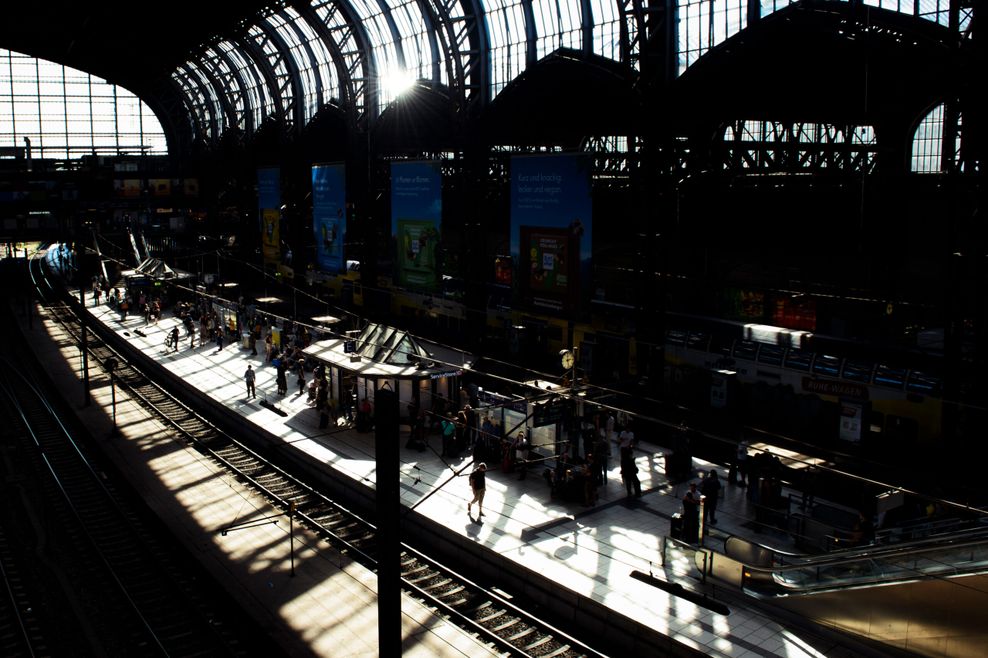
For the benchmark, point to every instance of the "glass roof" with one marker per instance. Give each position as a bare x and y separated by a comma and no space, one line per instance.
362,54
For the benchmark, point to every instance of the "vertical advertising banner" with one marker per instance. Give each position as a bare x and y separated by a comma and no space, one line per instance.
329,215
269,212
551,221
416,213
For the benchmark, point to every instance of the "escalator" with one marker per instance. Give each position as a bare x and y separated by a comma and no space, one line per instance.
926,597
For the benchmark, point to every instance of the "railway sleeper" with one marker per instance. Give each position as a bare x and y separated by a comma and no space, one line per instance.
453,592
521,635
540,643
506,625
437,585
417,570
478,609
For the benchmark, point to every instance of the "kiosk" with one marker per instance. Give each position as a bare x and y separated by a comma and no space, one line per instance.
359,363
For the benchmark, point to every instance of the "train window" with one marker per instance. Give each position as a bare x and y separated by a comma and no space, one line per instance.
799,360
858,371
826,364
676,337
745,349
698,340
925,384
771,355
892,377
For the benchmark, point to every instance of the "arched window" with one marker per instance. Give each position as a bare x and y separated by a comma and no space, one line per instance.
67,113
928,144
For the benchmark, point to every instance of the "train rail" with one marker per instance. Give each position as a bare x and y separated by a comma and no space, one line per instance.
107,569
507,628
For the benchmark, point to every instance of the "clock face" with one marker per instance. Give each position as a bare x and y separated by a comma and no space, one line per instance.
567,359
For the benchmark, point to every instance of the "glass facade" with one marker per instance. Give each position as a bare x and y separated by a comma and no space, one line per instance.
66,113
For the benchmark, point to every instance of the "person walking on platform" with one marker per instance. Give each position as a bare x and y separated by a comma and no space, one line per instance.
175,338
478,485
710,488
249,377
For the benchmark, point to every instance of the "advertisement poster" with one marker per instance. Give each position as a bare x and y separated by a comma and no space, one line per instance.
269,212
160,186
550,266
329,215
551,223
416,213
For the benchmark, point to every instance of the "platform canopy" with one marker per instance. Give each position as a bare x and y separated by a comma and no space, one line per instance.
155,269
382,351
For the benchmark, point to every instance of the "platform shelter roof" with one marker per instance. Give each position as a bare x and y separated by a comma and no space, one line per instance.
382,351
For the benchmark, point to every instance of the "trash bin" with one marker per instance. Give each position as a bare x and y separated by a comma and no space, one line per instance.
276,336
245,340
676,526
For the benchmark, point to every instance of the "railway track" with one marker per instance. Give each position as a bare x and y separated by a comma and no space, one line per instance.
111,572
507,628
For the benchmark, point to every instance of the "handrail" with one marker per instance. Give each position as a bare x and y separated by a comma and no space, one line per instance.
790,558
874,568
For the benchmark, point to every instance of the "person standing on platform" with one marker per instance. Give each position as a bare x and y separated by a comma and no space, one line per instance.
478,484
740,469
601,453
219,338
629,473
96,292
175,338
249,377
626,441
691,515
710,488
282,378
521,454
448,429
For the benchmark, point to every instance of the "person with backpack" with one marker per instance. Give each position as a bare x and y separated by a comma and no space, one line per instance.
478,484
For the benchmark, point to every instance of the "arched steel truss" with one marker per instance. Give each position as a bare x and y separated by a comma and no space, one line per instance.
298,56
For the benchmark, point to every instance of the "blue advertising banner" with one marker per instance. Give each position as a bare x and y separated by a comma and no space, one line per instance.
551,222
329,215
416,213
269,212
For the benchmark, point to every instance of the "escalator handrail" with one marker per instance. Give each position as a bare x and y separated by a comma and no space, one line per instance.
797,560
764,574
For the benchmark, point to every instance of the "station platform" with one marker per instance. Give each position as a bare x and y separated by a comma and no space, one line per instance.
592,550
